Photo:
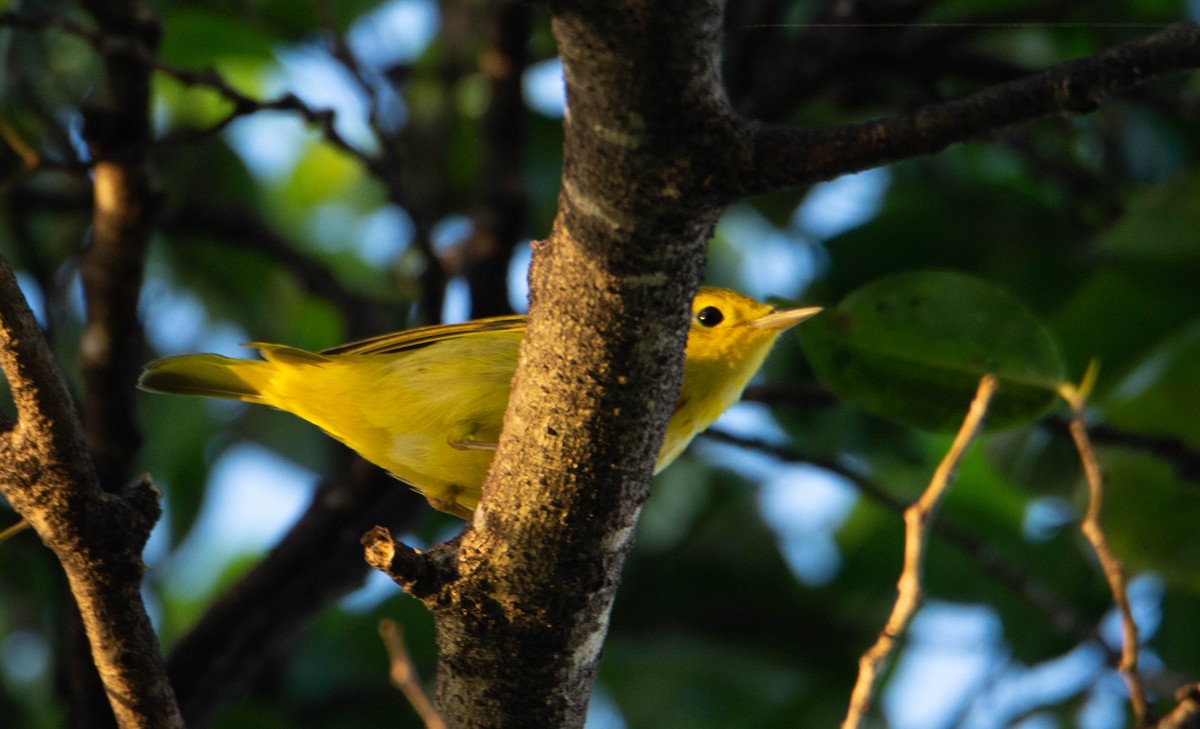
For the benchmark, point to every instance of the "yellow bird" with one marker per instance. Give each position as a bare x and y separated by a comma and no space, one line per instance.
426,404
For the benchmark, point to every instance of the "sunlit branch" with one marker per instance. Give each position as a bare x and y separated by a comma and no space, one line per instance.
404,675
11,531
47,476
420,574
917,519
1057,611
1186,714
1093,530
1171,449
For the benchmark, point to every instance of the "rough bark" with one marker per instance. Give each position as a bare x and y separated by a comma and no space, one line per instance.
600,367
97,536
788,156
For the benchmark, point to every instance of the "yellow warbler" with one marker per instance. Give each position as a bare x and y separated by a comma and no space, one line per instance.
427,404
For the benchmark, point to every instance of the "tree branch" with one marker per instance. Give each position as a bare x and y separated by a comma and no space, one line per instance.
97,536
1114,574
600,365
917,520
1186,714
404,675
363,315
117,131
260,617
424,575
501,216
1051,605
788,157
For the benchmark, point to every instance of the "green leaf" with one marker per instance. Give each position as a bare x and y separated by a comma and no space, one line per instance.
1159,226
321,174
913,347
984,213
197,38
1122,314
1162,396
1145,506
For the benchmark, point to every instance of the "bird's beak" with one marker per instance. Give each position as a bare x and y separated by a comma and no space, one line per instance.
785,318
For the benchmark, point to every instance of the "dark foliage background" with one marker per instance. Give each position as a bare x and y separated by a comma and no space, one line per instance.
767,557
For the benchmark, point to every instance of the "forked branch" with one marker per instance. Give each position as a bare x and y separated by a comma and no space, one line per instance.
47,476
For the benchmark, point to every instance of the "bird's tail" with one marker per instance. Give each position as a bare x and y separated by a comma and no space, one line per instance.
208,375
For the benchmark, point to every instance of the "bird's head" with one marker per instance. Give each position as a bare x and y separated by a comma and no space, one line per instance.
734,330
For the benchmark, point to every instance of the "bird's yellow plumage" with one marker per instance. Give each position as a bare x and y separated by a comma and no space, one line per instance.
427,404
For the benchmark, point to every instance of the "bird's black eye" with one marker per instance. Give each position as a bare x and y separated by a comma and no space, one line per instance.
710,316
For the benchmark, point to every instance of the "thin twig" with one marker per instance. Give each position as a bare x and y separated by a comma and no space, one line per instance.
1186,714
30,159
207,79
404,674
13,530
1171,449
1040,596
1113,573
917,519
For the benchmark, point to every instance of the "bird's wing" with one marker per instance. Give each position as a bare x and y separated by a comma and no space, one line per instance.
411,339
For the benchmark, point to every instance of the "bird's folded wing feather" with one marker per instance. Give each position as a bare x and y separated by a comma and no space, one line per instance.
410,339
